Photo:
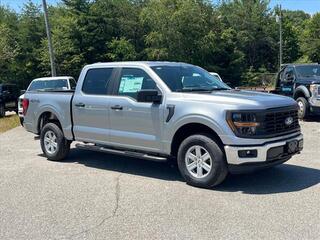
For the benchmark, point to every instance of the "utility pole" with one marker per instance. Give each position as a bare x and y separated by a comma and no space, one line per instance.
51,54
280,33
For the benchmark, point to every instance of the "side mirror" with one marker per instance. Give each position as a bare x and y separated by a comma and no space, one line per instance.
151,96
22,92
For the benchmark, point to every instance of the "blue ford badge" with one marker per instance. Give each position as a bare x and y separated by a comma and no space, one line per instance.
288,121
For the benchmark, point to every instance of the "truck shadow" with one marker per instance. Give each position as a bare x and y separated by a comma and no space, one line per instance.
280,179
312,119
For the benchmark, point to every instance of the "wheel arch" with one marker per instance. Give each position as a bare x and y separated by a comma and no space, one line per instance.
301,91
189,129
47,116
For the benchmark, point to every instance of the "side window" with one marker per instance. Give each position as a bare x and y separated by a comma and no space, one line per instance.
4,88
9,89
132,80
289,73
72,83
97,80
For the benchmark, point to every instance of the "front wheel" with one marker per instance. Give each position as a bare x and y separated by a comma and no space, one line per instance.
201,161
53,143
303,110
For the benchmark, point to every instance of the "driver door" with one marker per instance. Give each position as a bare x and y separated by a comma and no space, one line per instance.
135,125
287,81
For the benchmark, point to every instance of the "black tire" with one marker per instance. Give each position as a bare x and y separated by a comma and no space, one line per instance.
303,111
21,121
63,145
2,111
219,168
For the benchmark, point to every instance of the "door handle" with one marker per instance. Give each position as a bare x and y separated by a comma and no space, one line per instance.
80,105
116,107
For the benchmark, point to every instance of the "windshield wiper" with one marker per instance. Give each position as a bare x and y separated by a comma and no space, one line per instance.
201,89
194,90
219,89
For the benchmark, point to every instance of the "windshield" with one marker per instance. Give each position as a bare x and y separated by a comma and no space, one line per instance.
49,84
188,78
308,71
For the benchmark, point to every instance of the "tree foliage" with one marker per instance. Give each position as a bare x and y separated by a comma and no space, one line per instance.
237,38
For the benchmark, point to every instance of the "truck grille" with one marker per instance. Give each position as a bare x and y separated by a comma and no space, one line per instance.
276,121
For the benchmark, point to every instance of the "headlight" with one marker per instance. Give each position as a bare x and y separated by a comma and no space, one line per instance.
243,124
314,89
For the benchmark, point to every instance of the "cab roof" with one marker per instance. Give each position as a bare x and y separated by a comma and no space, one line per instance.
140,63
52,78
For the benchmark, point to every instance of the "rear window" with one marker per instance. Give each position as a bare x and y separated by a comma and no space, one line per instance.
97,80
48,84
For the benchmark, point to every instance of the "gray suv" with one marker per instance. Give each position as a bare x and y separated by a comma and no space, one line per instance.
166,110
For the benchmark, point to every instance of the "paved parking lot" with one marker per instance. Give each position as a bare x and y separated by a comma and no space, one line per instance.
98,196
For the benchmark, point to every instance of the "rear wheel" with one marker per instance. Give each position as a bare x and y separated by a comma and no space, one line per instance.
53,143
2,111
201,161
303,110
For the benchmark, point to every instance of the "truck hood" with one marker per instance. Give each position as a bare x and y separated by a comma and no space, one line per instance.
239,99
309,80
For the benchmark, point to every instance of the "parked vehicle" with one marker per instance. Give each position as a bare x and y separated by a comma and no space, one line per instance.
45,83
164,110
301,82
8,98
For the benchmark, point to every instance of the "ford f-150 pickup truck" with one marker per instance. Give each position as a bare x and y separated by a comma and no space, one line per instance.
165,110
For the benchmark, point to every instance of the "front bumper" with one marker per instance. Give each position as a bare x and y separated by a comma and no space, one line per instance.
314,101
270,153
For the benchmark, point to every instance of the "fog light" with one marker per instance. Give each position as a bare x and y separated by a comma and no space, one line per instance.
248,153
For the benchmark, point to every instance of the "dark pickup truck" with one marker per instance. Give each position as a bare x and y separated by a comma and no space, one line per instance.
301,82
9,94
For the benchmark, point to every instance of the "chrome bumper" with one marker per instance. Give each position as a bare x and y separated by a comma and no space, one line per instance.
232,152
314,101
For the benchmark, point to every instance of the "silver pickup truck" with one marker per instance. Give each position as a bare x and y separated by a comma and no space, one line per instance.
165,110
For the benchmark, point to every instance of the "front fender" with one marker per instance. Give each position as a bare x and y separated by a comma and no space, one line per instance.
195,118
217,125
301,90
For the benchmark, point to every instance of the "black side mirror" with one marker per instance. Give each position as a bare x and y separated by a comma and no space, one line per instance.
22,92
147,95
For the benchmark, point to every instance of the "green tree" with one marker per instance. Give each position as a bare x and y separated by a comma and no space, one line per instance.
254,27
31,31
311,41
121,50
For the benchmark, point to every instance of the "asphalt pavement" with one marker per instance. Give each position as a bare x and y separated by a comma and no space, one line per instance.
99,196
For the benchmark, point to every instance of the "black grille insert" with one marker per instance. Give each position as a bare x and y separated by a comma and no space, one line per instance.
280,121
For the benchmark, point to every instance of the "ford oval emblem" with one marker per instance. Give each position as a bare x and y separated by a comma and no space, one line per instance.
288,121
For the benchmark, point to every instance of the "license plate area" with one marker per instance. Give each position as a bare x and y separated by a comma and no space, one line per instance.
292,146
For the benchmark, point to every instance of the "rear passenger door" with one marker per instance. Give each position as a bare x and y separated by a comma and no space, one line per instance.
90,106
135,125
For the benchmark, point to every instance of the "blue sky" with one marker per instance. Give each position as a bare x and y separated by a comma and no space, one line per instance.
309,6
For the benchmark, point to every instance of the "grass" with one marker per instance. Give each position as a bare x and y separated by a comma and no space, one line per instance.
9,122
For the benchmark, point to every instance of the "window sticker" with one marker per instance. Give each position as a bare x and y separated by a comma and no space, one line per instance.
130,84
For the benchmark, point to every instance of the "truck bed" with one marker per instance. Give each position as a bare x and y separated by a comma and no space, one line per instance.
57,101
